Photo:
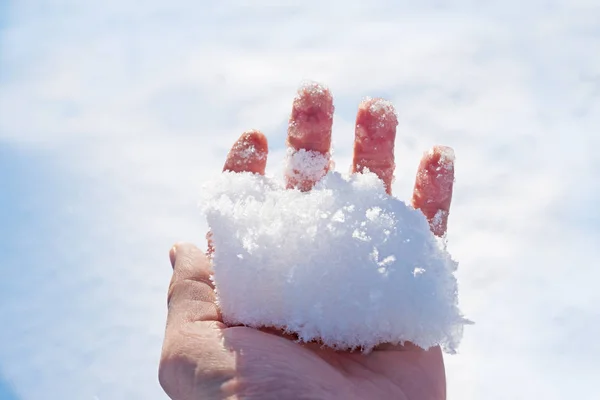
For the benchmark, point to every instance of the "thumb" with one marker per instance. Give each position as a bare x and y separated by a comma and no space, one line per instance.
191,295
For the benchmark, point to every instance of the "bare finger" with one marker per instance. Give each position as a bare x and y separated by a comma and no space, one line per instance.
433,187
374,139
309,136
248,154
191,295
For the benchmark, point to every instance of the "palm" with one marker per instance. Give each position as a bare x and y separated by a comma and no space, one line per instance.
203,358
394,373
263,365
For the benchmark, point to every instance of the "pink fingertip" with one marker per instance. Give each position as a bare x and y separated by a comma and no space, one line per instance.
248,154
311,119
433,187
375,135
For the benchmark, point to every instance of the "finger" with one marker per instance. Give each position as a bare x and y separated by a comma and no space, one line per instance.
433,187
374,139
191,294
309,136
248,154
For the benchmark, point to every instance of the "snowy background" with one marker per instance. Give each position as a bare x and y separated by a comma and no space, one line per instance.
113,113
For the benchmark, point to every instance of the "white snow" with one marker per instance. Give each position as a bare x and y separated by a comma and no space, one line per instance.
312,87
447,156
303,165
438,218
383,108
344,264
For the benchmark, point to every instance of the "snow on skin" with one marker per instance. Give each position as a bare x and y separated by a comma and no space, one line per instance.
435,178
309,133
345,263
306,166
376,123
249,153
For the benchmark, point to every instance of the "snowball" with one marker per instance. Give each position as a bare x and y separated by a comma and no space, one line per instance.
344,264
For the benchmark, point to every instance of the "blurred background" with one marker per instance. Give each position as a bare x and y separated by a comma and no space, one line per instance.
113,114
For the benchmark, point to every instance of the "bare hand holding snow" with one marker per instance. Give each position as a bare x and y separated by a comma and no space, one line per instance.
331,259
344,263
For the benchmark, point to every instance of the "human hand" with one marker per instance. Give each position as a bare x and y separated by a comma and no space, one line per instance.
203,358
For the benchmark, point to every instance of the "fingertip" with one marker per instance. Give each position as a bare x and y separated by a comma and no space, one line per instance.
440,157
254,139
375,136
188,260
377,114
437,166
248,154
311,119
173,255
433,187
180,250
313,96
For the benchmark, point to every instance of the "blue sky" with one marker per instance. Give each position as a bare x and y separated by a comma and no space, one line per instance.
112,116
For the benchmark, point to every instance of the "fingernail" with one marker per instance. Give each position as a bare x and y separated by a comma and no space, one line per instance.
173,255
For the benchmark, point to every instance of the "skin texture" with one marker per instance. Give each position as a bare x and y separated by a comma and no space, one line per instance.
202,358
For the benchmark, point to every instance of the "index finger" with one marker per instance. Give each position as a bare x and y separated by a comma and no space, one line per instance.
375,134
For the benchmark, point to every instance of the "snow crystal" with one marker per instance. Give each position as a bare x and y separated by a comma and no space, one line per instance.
249,151
344,264
446,156
302,165
438,218
312,87
381,106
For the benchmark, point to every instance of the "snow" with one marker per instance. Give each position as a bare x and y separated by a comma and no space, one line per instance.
248,152
305,165
438,218
344,264
384,109
447,156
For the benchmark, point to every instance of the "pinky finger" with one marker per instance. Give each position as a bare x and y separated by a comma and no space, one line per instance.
433,187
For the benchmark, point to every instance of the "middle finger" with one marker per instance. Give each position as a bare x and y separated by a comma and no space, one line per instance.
375,135
309,136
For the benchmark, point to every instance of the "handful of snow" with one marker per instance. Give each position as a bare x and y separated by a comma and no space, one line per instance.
344,264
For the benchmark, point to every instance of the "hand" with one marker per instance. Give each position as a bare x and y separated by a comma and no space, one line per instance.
202,358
